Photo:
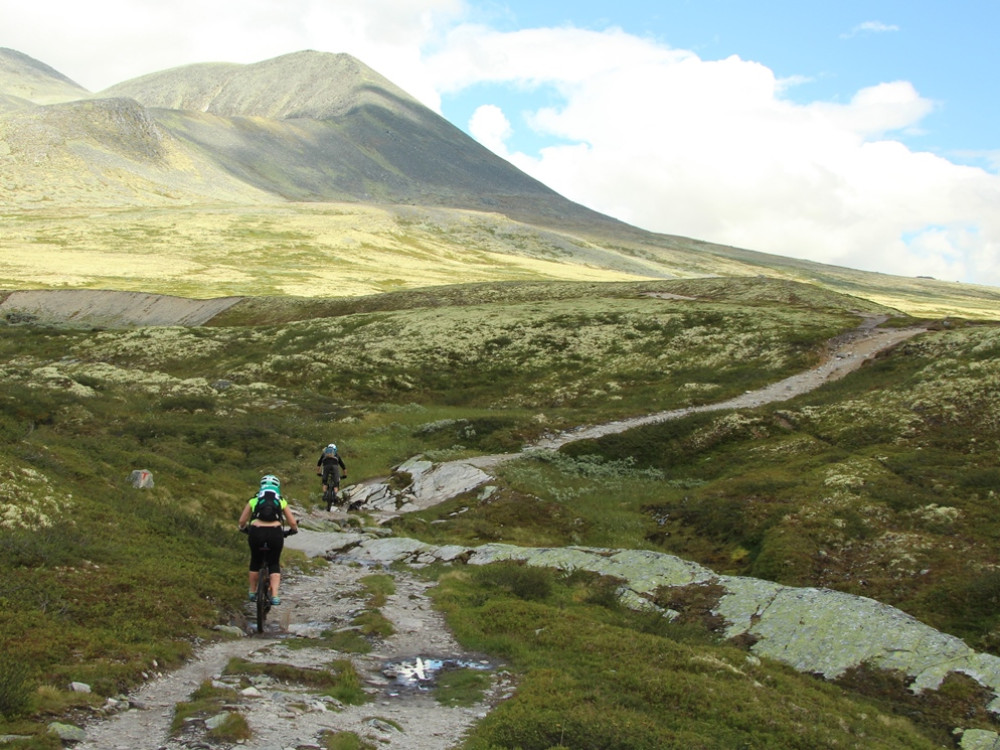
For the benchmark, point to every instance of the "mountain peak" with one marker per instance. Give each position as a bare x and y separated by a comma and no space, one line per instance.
318,85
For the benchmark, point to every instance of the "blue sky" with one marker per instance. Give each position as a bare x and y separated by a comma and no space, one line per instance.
948,51
864,134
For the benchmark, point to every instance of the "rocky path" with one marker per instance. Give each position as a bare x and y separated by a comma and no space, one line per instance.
402,712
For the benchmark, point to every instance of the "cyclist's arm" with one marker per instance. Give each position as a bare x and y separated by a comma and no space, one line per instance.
290,519
244,516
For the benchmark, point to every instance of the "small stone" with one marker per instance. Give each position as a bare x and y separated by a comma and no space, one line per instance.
68,732
217,721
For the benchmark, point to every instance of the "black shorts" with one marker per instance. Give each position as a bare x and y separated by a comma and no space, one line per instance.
331,475
275,538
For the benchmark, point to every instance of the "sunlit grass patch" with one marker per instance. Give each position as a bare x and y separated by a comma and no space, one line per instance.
345,641
338,680
461,686
333,740
205,701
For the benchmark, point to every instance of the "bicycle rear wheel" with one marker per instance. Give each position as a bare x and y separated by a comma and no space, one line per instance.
263,596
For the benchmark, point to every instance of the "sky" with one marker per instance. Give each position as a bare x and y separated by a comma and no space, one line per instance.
861,134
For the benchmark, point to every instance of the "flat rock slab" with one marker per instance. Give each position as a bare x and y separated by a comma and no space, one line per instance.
95,307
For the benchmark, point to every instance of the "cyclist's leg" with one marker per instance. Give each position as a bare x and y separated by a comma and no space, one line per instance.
254,540
276,541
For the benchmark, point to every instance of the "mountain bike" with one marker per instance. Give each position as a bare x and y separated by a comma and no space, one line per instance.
330,497
263,593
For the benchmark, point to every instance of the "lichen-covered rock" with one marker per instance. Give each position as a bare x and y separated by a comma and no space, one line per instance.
444,481
67,732
428,484
979,739
141,479
824,631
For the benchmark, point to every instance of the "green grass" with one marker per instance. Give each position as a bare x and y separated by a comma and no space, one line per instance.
593,675
338,680
461,686
861,486
205,702
344,741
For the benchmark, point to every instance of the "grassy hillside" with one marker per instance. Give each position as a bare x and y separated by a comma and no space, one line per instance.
330,251
867,485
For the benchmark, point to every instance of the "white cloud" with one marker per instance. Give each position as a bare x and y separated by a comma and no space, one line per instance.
871,27
711,149
129,38
490,127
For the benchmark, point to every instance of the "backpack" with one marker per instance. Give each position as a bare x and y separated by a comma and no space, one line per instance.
268,506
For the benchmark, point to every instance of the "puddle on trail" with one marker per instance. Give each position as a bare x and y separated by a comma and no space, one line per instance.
419,673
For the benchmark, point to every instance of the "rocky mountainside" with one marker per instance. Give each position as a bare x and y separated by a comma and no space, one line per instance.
308,126
186,160
307,84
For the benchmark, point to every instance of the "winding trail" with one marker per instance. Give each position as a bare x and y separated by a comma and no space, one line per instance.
280,717
845,354
848,353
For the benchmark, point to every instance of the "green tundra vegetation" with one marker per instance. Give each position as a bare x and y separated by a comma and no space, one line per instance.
883,484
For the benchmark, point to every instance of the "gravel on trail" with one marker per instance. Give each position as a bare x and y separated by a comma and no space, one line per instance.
402,712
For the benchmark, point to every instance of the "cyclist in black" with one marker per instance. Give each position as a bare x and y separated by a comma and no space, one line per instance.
331,468
265,513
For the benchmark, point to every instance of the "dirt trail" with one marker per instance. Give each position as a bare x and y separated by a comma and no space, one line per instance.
282,719
845,354
400,716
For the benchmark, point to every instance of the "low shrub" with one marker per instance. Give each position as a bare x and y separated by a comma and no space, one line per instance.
16,687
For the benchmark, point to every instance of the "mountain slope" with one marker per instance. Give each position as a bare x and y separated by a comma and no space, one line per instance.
103,152
349,167
317,126
24,80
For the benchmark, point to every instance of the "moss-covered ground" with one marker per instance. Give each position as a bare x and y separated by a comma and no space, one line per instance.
883,484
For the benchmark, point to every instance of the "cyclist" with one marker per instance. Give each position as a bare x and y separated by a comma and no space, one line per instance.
265,513
331,468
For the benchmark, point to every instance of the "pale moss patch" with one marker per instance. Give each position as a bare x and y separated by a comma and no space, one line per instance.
51,376
852,475
154,345
28,499
729,424
937,514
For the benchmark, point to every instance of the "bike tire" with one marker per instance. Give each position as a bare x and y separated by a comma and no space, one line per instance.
263,596
330,498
